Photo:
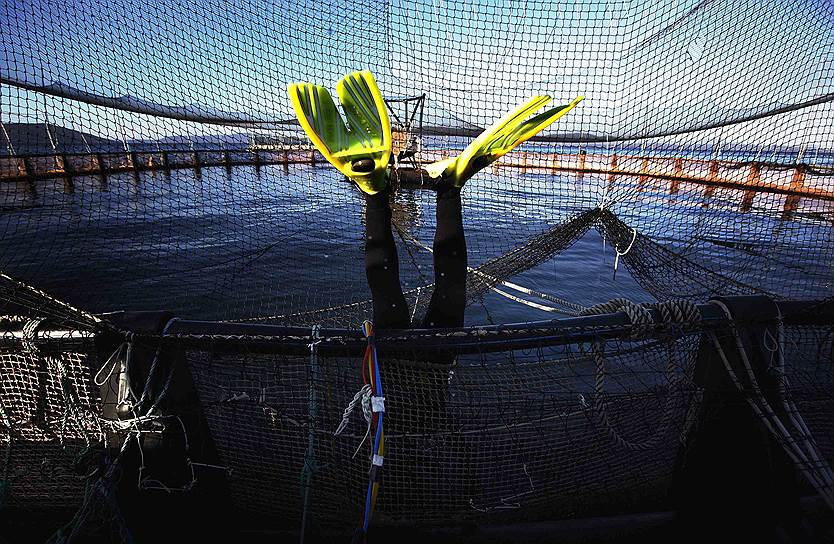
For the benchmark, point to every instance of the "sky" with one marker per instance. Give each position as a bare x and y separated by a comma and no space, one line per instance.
646,67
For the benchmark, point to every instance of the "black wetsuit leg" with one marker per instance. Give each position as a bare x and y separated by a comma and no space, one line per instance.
448,302
382,265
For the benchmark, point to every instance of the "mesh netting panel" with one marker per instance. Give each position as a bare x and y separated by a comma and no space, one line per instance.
543,433
504,436
810,373
152,158
50,417
511,436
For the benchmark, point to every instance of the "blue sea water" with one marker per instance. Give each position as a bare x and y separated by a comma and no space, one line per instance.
247,243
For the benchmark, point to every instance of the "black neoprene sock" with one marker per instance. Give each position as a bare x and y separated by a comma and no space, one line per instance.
382,265
448,302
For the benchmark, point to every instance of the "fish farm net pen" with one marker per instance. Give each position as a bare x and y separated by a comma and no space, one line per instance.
574,417
429,270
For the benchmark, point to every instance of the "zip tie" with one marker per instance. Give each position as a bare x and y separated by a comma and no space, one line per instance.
623,253
314,333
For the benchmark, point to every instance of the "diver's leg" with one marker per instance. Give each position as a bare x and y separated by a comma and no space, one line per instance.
448,302
445,309
382,265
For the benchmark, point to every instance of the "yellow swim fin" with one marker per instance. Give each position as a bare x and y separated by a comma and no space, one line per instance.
499,139
359,149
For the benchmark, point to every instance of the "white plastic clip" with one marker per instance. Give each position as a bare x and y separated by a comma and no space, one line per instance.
377,460
378,404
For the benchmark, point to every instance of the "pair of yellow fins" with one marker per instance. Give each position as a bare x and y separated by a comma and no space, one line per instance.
359,146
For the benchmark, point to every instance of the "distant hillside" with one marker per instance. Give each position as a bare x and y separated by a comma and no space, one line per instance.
202,142
33,138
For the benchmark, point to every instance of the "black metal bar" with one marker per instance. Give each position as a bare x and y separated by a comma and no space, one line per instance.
391,109
493,338
485,339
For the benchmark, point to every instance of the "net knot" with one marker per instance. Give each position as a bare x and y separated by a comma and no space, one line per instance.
678,311
638,314
362,396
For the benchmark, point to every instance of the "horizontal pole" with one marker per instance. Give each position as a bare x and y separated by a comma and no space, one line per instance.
493,338
483,339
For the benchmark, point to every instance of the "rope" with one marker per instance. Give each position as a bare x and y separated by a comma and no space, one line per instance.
790,407
20,286
673,311
572,308
13,319
72,403
30,336
623,253
309,469
638,314
152,373
678,311
803,451
100,492
112,361
362,396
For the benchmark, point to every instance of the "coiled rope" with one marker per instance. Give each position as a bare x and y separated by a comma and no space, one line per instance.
362,397
642,323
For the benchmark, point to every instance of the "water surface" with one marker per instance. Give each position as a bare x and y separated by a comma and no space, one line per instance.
245,243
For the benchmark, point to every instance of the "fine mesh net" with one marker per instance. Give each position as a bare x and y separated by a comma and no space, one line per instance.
150,159
471,443
48,410
153,159
555,430
514,437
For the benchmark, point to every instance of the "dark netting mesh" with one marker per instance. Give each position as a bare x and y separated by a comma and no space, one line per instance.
49,411
153,159
150,160
478,432
479,439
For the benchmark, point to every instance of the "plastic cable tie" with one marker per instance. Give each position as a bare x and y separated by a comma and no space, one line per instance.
378,404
